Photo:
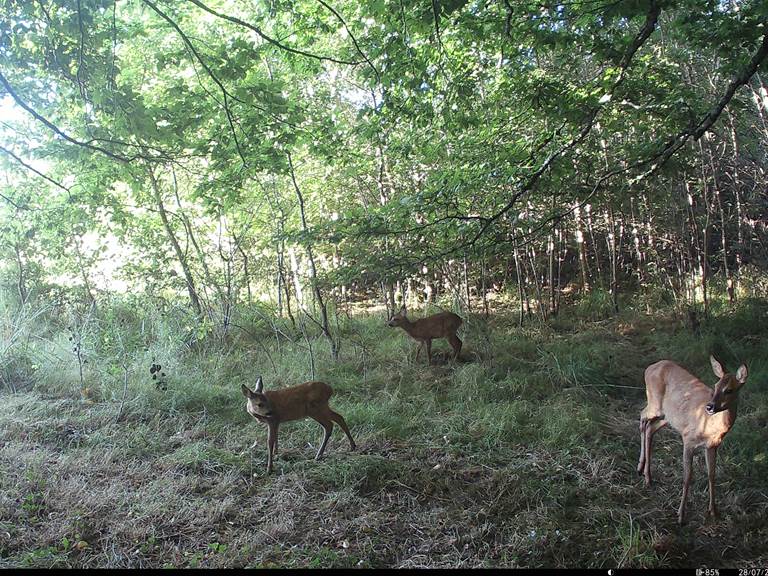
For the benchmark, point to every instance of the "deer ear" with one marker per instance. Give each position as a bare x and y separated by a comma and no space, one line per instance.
259,386
245,390
402,309
716,368
741,374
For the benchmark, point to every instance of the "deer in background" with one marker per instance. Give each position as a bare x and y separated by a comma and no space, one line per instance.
701,415
440,325
304,400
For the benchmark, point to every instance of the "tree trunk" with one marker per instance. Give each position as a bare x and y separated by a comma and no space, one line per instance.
467,293
612,253
21,282
520,290
705,243
484,274
193,297
324,326
723,227
246,275
581,242
533,263
595,245
83,270
737,195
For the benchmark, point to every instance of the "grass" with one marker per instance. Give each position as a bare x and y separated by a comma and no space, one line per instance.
522,454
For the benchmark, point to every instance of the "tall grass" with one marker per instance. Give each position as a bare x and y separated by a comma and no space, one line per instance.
528,441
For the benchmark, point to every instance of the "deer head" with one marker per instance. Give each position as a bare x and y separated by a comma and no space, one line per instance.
398,319
259,405
725,394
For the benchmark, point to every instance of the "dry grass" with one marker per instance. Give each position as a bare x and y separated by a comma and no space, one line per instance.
518,461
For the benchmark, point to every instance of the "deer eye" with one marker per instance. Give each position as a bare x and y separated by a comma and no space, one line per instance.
728,391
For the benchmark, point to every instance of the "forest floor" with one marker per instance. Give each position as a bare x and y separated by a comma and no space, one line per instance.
521,454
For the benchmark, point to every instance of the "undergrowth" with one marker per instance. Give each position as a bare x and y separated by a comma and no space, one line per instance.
520,454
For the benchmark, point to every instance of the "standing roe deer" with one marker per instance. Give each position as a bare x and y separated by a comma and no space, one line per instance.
702,417
440,325
304,400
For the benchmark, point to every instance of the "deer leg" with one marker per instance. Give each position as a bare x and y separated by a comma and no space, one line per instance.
641,462
418,350
271,443
455,343
339,419
327,428
711,456
647,436
651,427
428,342
687,465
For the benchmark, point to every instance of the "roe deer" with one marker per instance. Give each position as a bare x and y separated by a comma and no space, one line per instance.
441,325
304,400
701,415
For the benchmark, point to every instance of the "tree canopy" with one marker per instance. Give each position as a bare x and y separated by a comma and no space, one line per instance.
221,148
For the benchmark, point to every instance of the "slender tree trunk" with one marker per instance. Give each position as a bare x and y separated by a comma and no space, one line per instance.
581,241
705,242
551,270
560,259
325,327
21,283
532,262
723,228
612,253
193,297
694,241
246,275
83,270
484,274
389,295
737,195
229,291
466,284
208,279
636,243
520,290
282,275
296,278
385,298
595,246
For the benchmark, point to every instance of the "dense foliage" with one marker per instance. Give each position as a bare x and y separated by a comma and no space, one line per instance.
233,151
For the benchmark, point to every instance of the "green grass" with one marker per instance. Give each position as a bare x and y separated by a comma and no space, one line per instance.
521,454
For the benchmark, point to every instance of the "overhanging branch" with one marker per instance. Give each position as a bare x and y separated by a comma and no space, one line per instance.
269,39
13,94
31,169
708,120
528,184
354,40
188,43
